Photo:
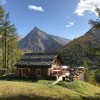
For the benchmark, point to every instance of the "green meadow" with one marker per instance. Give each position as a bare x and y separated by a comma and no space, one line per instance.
44,90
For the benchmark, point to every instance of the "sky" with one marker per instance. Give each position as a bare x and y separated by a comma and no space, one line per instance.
65,18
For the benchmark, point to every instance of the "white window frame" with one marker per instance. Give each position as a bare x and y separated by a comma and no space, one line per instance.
21,71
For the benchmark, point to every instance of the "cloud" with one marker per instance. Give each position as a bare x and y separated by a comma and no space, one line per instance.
2,2
87,5
36,8
69,24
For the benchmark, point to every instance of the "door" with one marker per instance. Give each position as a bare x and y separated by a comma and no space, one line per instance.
38,72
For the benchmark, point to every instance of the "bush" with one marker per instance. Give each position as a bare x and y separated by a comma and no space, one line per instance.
51,77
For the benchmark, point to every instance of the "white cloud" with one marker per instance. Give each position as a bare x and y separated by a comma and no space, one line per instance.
69,24
2,2
87,5
36,8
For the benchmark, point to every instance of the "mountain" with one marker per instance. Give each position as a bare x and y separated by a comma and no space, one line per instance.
85,48
38,41
60,40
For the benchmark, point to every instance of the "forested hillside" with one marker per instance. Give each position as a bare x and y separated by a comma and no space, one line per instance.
85,48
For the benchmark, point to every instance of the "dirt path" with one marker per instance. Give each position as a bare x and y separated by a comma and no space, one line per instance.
58,80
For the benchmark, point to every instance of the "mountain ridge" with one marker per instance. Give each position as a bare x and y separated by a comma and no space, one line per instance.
38,41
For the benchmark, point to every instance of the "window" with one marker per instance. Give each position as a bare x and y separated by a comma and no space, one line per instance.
38,72
24,71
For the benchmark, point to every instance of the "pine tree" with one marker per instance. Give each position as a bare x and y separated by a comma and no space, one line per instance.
96,24
1,13
89,74
1,38
9,45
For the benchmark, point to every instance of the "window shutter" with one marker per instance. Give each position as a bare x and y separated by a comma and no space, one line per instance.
27,72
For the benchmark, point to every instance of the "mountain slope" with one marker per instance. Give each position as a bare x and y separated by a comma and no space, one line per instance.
38,41
84,48
60,40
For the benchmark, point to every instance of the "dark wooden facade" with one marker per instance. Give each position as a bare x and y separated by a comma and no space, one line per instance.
37,64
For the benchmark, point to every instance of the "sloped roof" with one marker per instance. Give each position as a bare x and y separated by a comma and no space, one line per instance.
36,59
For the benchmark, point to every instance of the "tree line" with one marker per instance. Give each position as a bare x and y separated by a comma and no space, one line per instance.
9,51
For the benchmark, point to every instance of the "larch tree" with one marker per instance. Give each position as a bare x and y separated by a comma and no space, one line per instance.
1,38
9,49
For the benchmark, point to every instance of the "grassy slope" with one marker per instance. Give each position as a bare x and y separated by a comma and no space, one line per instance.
34,91
88,90
37,91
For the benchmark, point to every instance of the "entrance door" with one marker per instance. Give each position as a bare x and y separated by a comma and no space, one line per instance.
38,72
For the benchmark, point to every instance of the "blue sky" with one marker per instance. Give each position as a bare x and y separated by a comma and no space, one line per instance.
65,18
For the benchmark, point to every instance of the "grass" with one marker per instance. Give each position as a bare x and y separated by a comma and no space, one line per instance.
45,81
33,91
44,90
82,88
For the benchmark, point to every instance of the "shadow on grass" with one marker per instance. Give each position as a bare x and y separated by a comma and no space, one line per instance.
24,97
96,97
35,97
91,98
12,77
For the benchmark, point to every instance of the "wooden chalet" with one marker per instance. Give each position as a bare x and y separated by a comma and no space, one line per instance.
43,65
40,65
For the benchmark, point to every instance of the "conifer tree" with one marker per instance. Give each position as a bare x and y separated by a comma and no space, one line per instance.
89,74
96,24
1,38
9,50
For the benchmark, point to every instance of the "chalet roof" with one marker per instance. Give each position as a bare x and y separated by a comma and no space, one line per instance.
36,59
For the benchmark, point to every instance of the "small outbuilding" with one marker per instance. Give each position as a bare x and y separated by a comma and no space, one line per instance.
3,71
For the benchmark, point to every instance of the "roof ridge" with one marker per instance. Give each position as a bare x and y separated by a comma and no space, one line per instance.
40,53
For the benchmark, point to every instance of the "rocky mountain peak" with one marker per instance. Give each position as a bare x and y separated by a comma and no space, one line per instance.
36,29
39,41
37,32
